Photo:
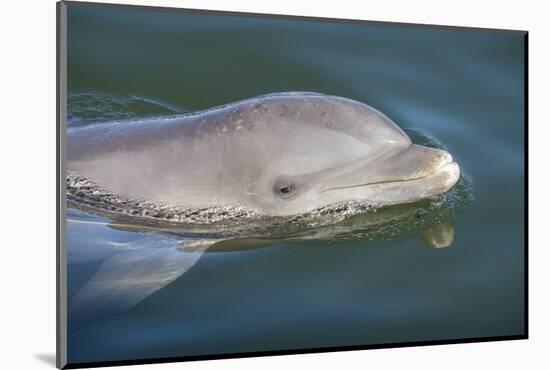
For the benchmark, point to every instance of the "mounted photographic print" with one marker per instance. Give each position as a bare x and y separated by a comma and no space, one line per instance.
234,184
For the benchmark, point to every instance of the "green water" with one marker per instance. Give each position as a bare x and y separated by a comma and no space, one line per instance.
367,281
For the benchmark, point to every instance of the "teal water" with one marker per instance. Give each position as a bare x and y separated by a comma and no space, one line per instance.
370,279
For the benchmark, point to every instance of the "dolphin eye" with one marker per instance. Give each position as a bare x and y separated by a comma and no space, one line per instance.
284,189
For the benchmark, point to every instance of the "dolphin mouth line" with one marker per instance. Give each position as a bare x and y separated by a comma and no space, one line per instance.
439,169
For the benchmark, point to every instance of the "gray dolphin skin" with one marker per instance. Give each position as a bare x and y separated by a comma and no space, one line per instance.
278,154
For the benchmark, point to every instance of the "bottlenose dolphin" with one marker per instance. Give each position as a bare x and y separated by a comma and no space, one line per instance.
277,154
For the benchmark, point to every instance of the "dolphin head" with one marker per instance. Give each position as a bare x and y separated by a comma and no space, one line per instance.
322,150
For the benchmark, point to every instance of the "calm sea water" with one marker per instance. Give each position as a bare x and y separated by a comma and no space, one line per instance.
369,280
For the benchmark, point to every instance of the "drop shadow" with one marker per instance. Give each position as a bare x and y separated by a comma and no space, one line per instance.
46,358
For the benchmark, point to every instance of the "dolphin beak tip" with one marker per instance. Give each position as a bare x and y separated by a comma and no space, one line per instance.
452,170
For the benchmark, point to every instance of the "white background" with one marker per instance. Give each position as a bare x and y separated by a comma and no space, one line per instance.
27,152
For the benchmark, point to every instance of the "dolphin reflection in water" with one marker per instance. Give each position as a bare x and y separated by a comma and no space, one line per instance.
138,260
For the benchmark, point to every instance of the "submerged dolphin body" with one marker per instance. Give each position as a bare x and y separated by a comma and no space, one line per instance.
277,154
135,262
